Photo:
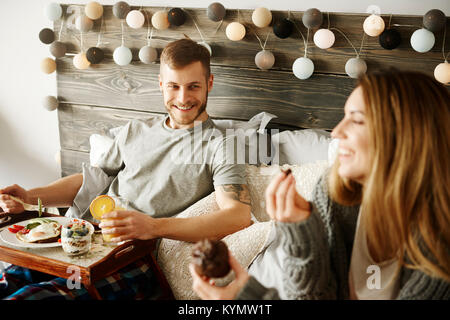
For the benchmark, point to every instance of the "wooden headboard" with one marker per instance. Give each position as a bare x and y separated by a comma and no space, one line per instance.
108,95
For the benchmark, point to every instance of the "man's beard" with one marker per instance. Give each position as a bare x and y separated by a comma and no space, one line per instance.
200,110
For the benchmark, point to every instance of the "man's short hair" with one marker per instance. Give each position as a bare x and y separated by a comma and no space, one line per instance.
183,52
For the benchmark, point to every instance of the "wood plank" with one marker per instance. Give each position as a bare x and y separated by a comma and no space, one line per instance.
237,93
71,161
242,53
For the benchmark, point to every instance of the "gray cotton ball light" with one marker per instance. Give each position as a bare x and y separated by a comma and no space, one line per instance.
355,67
50,103
148,54
312,18
58,49
121,9
216,11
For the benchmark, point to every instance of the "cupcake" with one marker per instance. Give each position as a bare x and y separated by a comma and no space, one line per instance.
210,258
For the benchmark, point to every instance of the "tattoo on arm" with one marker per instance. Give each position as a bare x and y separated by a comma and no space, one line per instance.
237,192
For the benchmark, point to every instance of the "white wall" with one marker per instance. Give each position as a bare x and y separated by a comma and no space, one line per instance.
29,134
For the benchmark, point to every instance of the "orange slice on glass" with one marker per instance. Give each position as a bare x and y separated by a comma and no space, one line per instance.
101,205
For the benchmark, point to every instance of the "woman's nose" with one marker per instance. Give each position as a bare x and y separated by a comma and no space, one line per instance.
338,132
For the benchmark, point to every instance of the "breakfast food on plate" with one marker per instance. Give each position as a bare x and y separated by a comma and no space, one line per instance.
210,258
39,230
76,237
101,205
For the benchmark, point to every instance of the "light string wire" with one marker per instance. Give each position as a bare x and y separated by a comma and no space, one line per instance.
62,26
343,34
195,24
443,44
123,42
149,33
100,34
299,31
263,46
81,42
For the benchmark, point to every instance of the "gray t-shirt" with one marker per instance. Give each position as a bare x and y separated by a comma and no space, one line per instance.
162,171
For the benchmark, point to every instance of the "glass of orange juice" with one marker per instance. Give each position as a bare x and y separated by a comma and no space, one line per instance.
104,204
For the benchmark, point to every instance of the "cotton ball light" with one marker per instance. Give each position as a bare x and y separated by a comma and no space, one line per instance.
135,19
324,38
390,39
176,17
235,31
303,68
216,11
122,56
148,54
50,103
46,36
48,65
422,40
355,67
93,10
53,11
83,23
121,9
264,60
160,20
207,46
312,18
58,49
261,17
283,28
373,25
80,61
434,20
95,55
442,72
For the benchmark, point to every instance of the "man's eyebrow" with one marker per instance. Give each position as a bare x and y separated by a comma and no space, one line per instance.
188,84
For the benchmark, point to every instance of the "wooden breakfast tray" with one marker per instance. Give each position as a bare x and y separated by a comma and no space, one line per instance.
101,261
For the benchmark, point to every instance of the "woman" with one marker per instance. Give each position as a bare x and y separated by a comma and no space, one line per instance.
378,226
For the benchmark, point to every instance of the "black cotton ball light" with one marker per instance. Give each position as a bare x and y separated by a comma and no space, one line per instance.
216,11
94,55
176,17
283,28
390,39
46,36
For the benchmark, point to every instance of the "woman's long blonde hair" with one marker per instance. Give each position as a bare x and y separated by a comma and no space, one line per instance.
405,197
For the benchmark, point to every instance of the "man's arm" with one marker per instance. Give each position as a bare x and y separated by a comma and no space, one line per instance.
57,194
234,215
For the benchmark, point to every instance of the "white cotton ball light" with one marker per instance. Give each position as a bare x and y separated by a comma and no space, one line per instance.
80,61
50,103
160,20
442,72
373,25
264,60
83,23
355,67
235,31
148,54
122,56
303,68
207,46
261,17
324,38
422,40
135,19
53,11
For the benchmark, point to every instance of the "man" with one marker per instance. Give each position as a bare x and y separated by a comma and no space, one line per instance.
141,162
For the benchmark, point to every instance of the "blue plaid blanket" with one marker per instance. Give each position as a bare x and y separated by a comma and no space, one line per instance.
137,281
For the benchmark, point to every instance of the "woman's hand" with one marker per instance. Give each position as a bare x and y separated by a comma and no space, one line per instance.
283,203
208,291
127,225
9,205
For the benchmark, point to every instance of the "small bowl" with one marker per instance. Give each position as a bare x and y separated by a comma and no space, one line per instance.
77,242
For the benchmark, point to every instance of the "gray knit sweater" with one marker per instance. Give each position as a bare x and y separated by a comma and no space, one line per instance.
319,251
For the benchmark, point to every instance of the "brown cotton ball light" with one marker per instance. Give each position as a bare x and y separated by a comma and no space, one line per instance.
58,49
48,65
46,36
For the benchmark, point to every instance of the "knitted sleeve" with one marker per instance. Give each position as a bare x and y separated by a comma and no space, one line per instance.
420,286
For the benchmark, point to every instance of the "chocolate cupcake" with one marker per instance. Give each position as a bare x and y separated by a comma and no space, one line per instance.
210,258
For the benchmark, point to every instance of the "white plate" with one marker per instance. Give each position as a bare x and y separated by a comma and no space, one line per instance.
11,239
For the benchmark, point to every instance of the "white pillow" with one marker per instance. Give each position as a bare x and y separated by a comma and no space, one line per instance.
174,256
300,146
258,178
